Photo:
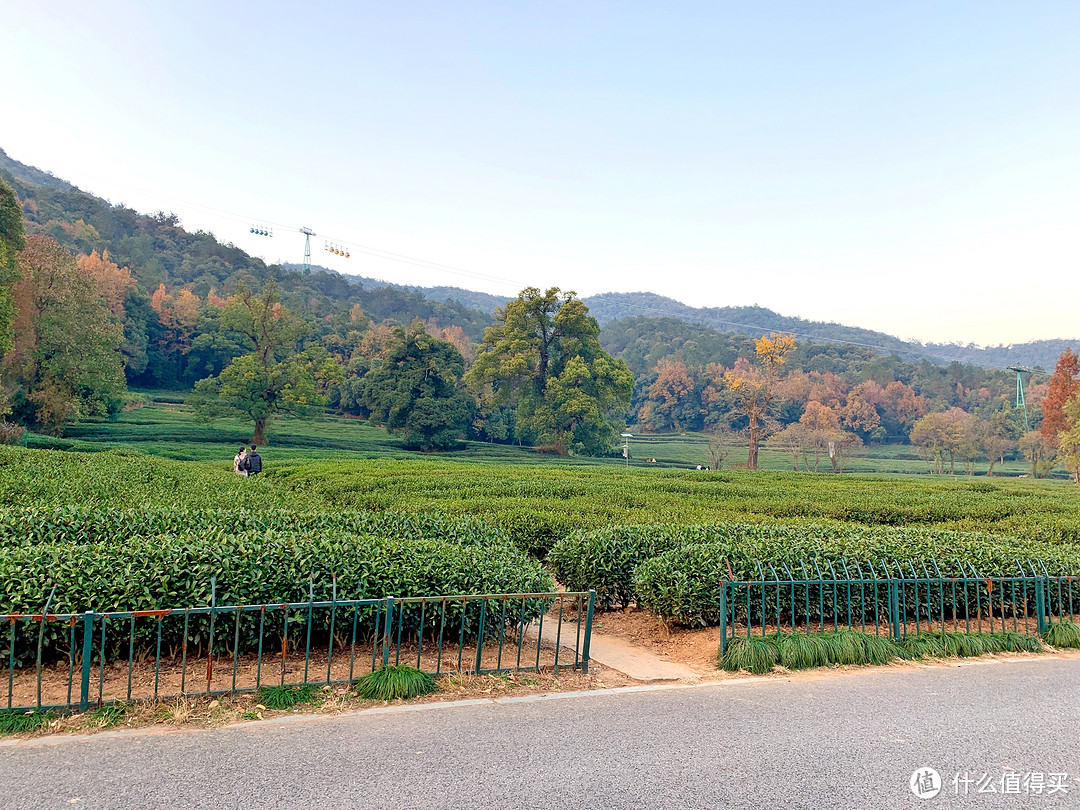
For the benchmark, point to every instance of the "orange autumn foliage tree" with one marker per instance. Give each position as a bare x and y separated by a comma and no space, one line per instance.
112,281
755,389
1063,384
673,387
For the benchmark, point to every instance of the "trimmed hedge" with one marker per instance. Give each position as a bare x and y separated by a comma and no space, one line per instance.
73,524
162,571
605,560
683,584
171,571
676,570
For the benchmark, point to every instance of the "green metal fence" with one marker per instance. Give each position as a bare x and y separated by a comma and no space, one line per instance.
68,661
894,598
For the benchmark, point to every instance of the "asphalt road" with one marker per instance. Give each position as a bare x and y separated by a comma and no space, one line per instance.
844,741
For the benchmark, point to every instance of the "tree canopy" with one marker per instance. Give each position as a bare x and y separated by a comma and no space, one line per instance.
65,361
543,359
415,389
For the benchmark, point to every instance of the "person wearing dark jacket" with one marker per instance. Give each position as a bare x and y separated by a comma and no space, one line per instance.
253,461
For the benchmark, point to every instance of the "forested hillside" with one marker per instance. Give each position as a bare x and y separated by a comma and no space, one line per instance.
171,330
757,321
104,297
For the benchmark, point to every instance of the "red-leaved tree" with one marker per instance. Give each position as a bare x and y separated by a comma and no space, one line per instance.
1063,384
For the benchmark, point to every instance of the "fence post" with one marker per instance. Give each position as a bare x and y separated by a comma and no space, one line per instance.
1040,604
87,652
894,609
387,632
723,617
480,636
588,633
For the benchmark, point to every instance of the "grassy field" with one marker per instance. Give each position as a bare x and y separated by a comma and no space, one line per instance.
165,427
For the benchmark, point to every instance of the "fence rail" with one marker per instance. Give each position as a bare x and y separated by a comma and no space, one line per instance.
66,661
888,600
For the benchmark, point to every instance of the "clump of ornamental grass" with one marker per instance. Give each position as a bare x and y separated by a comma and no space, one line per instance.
394,683
286,697
1011,641
107,716
755,654
846,647
15,722
950,644
1063,635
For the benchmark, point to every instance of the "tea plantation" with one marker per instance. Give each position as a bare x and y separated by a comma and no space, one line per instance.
126,529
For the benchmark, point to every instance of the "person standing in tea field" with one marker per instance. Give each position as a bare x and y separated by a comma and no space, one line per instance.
253,461
238,464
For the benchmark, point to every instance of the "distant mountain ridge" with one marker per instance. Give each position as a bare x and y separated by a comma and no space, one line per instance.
206,258
756,321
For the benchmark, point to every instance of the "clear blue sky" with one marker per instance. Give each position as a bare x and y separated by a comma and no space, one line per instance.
912,167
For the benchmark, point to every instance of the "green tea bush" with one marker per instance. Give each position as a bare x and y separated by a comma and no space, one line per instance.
124,478
605,560
151,572
175,571
76,524
683,584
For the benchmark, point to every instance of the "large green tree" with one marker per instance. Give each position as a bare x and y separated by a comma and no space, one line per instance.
543,357
65,361
11,242
415,389
271,378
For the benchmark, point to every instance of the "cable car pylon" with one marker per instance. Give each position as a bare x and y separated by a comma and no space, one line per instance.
1021,400
308,233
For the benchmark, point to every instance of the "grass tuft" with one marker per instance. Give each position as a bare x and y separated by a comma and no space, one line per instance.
1011,641
847,647
394,683
798,651
1063,635
286,697
14,722
924,645
756,654
881,649
950,644
107,716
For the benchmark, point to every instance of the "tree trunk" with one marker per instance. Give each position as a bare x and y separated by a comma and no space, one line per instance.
260,432
751,457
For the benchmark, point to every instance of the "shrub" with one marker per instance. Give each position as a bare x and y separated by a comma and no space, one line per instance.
31,525
605,560
11,433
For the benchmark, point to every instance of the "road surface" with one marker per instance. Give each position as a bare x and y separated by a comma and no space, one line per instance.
843,741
